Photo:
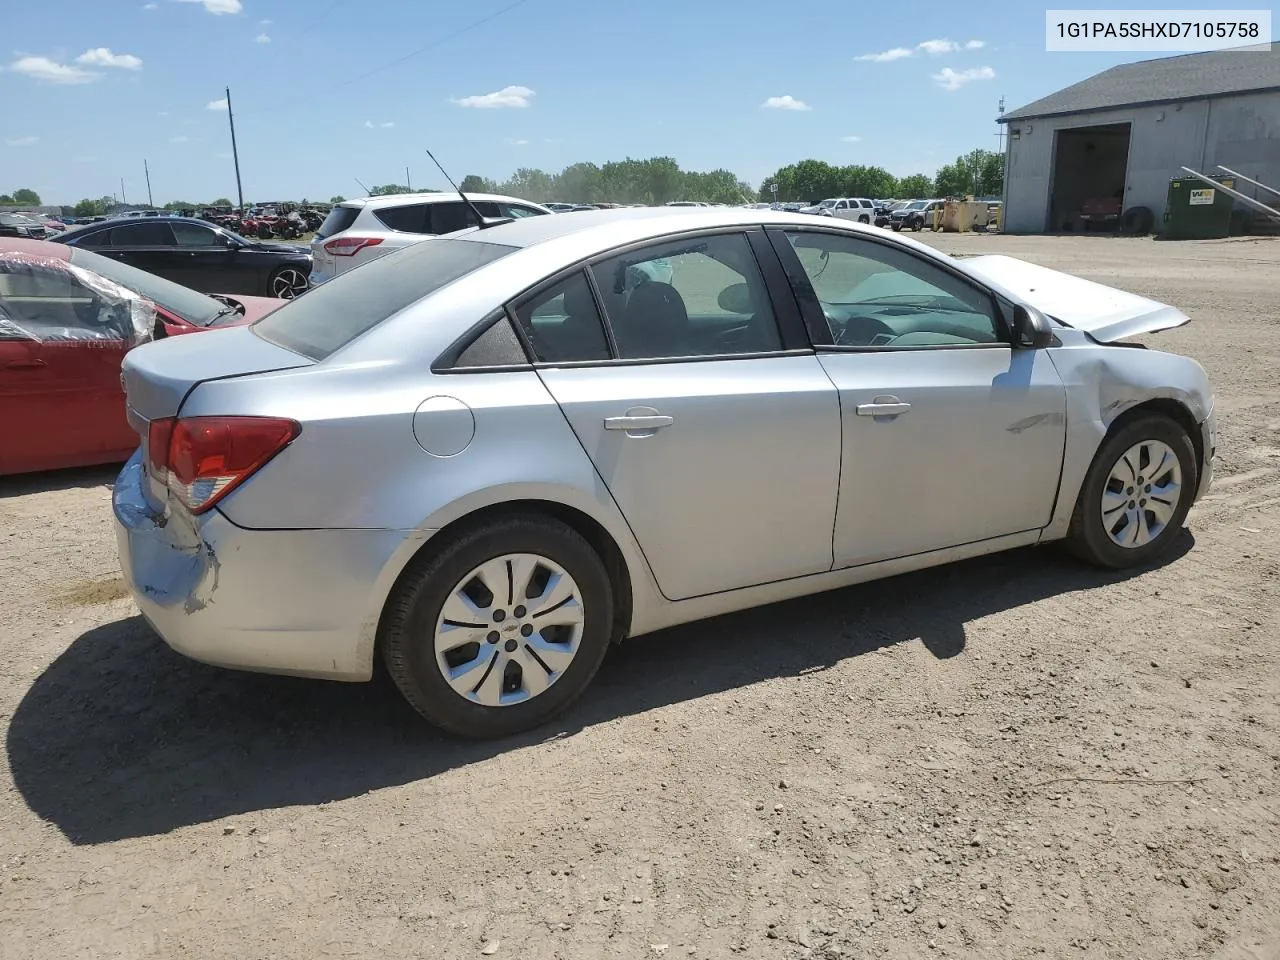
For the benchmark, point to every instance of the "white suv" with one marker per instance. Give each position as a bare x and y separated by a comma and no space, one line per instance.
357,231
847,208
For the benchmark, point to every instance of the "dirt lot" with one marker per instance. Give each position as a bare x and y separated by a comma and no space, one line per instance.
1009,758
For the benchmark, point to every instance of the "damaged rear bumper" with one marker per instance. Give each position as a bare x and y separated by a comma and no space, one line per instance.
297,602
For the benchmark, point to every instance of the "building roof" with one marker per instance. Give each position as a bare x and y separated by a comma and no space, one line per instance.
1170,79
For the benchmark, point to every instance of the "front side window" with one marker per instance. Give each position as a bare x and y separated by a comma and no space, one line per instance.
563,322
874,295
687,298
193,235
517,210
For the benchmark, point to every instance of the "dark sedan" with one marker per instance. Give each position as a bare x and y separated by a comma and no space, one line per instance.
199,255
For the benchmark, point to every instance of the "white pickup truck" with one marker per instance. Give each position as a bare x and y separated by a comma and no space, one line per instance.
845,208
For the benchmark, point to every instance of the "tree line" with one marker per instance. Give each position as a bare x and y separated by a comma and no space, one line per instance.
659,180
978,172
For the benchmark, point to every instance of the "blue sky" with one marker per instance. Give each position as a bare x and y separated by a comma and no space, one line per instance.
328,91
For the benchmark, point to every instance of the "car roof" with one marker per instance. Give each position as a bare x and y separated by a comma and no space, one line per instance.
441,196
611,228
35,248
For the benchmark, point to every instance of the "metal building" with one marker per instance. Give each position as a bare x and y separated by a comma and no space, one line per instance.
1127,131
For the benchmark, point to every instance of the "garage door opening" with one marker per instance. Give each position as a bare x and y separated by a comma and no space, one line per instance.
1089,166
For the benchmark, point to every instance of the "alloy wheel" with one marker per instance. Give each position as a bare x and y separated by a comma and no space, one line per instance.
509,630
289,283
1141,494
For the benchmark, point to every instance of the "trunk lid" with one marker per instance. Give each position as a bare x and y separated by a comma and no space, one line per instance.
158,376
1105,313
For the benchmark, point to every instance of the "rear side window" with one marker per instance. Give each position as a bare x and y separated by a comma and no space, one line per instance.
329,317
340,218
563,322
411,218
450,216
142,235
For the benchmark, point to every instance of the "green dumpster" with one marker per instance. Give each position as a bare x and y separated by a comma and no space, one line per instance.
1197,211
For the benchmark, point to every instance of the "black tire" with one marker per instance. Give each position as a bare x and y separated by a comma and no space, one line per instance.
408,625
1137,221
864,219
1087,537
897,227
297,287
264,233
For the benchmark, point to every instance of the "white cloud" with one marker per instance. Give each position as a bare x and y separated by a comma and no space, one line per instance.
935,47
386,124
950,79
163,113
517,143
506,97
786,102
851,139
103,57
179,139
897,53
28,141
217,7
265,23
262,38
151,6
216,104
42,68
975,44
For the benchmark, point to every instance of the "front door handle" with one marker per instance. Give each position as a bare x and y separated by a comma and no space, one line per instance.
882,407
25,364
652,422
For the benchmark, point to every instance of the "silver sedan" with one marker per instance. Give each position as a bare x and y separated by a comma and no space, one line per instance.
488,457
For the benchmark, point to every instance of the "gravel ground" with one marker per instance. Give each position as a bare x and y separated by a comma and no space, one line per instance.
1011,757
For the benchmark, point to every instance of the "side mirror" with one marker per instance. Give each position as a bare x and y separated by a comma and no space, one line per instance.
1031,328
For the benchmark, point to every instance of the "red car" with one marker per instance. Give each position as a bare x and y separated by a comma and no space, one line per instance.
67,317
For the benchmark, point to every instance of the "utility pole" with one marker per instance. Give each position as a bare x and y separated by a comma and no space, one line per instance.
123,198
235,154
1000,127
407,182
147,170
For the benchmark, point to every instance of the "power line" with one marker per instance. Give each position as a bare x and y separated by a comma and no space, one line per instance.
399,60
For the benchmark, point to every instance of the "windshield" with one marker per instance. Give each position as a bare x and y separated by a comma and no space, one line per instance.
917,205
176,299
828,203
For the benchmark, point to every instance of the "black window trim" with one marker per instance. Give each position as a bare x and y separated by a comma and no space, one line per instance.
816,322
776,298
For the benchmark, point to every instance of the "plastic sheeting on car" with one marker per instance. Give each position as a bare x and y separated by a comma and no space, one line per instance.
49,299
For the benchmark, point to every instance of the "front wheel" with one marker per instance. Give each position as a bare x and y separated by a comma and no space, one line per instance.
1135,496
501,629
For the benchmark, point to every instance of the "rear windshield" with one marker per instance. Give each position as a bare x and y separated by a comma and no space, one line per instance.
340,218
329,317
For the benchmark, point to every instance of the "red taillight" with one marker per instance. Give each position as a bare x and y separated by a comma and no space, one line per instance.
350,246
202,459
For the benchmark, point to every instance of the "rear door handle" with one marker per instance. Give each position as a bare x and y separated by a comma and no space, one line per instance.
25,364
652,422
882,407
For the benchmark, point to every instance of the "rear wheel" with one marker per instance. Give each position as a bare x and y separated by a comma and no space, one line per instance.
501,629
288,282
1135,495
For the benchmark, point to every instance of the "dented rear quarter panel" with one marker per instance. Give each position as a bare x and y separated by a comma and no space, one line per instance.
1104,381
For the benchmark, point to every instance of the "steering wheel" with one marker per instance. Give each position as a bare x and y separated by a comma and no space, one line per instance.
859,331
